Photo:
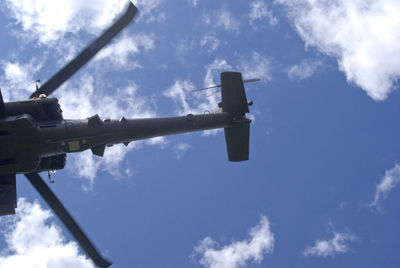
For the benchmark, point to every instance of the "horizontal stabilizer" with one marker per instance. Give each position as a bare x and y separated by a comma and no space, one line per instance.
237,142
2,106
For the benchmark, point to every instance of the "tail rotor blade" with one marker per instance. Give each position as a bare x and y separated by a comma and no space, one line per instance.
87,54
251,80
201,89
216,86
67,219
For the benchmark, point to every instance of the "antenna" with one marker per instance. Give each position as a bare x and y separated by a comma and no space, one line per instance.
37,88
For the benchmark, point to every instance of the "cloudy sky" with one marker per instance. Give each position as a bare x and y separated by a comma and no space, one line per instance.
321,186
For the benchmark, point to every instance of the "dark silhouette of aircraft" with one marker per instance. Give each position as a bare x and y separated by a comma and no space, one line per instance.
34,136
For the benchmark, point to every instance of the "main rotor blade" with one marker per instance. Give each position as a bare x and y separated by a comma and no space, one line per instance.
66,218
88,53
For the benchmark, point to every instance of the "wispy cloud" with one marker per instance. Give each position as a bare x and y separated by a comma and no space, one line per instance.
33,239
213,70
187,101
199,102
303,70
85,165
124,101
211,42
179,92
180,149
17,79
194,2
121,53
260,242
150,10
387,184
259,13
364,37
45,22
256,66
222,19
330,247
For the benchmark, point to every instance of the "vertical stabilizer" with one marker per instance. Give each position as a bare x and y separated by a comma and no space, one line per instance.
234,102
8,194
234,99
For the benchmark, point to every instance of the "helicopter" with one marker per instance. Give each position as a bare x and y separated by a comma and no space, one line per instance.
34,136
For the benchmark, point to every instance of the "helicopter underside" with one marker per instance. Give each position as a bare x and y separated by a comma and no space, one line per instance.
21,148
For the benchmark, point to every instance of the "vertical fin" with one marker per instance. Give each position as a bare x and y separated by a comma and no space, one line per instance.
235,103
8,194
234,99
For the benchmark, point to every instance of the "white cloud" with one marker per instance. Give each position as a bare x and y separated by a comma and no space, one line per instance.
387,184
48,21
213,70
259,12
180,149
364,37
150,10
186,45
194,2
178,92
330,247
238,254
18,79
303,70
223,19
32,240
210,41
227,21
257,66
121,54
85,165
125,101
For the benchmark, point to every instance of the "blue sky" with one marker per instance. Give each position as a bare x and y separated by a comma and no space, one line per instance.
320,188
